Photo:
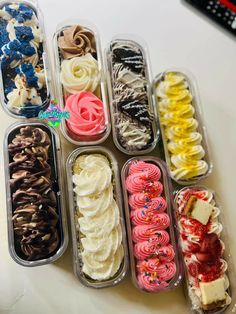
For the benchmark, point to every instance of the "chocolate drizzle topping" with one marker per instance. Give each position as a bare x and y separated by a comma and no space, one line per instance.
130,99
135,109
129,56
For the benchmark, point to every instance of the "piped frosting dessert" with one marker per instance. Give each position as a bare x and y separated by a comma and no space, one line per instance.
154,255
80,77
34,203
21,56
97,217
180,127
133,116
203,249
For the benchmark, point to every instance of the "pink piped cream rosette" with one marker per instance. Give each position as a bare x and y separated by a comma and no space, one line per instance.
86,114
154,255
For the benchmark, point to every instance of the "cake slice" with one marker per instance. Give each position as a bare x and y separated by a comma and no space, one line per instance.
213,293
198,209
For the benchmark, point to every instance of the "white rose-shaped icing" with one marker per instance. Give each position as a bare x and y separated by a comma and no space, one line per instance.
22,95
80,74
98,217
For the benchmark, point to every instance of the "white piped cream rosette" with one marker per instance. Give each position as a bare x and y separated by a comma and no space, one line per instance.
80,74
98,217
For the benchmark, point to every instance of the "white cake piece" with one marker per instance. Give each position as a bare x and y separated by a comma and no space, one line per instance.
213,291
201,211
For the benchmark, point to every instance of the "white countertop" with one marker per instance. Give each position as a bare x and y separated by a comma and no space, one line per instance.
177,37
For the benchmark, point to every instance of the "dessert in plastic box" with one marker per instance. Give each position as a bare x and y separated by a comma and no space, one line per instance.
98,228
203,249
36,222
183,135
80,84
153,249
134,125
22,57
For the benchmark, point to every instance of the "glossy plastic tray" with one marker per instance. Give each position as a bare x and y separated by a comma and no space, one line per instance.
230,271
57,187
197,115
172,229
30,112
135,147
81,140
77,246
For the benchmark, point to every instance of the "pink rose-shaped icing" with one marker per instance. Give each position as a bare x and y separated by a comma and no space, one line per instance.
145,250
139,182
150,217
86,114
139,200
165,271
151,282
153,171
144,233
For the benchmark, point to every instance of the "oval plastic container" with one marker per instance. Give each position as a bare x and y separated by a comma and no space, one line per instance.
101,92
197,115
172,229
134,135
230,270
26,111
54,156
76,235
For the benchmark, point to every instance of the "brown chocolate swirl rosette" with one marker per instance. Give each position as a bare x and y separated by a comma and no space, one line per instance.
34,203
76,41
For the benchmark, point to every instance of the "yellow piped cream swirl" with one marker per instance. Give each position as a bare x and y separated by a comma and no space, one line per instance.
180,127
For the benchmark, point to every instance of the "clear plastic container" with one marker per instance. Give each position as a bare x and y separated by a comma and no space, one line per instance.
101,92
54,157
172,229
230,271
46,90
197,115
136,149
77,246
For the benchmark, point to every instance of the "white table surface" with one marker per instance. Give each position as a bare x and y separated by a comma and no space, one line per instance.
177,37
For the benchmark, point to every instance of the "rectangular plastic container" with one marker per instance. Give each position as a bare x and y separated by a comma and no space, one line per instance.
101,92
29,111
57,187
76,244
197,115
137,148
172,229
230,271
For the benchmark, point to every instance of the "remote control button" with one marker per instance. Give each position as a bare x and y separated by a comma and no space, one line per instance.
233,25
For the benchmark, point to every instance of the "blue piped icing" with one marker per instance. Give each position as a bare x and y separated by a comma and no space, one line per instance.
27,70
9,85
4,38
22,14
13,55
24,33
16,50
